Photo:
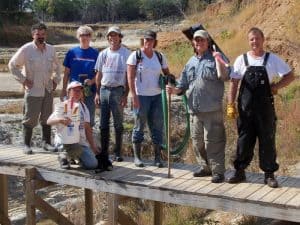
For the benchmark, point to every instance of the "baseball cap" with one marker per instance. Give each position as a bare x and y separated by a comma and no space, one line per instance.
150,34
114,29
201,33
74,84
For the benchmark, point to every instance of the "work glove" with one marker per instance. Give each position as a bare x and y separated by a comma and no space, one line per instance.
231,111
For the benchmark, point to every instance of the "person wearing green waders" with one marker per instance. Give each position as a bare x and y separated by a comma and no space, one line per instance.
202,80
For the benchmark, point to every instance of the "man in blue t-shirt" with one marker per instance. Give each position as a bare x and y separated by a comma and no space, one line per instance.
79,66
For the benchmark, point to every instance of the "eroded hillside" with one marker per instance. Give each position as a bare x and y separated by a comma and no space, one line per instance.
228,22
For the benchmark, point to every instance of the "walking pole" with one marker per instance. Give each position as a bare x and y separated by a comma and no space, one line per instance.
169,131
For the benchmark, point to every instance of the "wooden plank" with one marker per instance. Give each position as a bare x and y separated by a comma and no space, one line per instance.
88,196
203,181
188,183
274,192
4,200
178,177
295,201
113,209
183,188
29,196
278,192
285,197
158,213
259,193
12,170
12,157
51,213
208,188
31,160
4,220
176,197
151,175
39,184
244,189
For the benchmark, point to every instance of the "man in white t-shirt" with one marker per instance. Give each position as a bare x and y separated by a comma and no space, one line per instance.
143,80
72,120
256,70
112,89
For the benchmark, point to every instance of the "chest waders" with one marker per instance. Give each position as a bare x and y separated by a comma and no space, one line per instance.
257,119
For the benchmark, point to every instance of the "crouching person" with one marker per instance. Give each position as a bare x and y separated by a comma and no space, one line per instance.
72,120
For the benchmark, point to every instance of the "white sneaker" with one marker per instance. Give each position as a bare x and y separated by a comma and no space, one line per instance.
27,150
49,148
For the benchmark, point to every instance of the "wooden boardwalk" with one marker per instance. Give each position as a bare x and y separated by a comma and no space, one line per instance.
151,183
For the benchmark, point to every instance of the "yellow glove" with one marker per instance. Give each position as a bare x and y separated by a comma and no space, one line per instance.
231,111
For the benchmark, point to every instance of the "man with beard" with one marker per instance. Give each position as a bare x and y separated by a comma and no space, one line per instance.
33,66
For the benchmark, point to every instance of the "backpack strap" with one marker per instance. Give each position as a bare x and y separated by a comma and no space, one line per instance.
139,58
138,55
266,58
245,59
159,56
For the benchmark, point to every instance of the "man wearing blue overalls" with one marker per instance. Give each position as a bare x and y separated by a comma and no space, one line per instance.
256,70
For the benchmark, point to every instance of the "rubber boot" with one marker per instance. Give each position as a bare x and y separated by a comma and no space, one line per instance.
137,155
27,134
270,180
157,161
237,177
46,130
104,141
119,139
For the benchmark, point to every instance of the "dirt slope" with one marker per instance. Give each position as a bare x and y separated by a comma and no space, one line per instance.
229,20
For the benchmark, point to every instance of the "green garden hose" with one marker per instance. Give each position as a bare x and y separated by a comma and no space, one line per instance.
182,145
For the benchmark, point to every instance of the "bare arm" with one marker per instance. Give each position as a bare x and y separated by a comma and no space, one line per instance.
232,92
166,71
89,137
126,91
57,67
98,78
65,83
131,71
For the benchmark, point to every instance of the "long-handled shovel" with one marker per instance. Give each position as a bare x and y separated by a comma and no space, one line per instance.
169,133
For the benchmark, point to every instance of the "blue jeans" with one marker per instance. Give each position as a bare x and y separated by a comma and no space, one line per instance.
88,158
150,111
110,102
90,104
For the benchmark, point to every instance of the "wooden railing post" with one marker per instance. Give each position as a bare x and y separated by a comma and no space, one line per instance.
88,195
158,213
113,209
30,196
4,200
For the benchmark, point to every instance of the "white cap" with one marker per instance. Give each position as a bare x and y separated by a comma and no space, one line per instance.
114,29
201,33
74,84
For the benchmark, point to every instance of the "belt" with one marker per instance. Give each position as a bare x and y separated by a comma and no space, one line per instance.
111,88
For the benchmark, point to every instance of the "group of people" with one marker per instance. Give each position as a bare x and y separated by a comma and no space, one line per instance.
105,79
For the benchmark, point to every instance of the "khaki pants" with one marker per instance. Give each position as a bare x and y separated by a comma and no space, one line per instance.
209,139
37,109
